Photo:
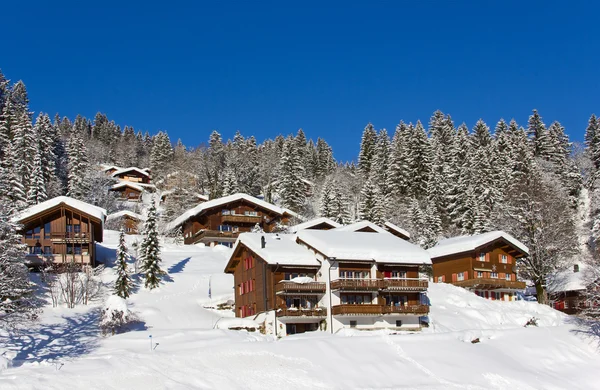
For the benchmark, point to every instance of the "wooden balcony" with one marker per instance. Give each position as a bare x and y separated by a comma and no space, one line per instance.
57,259
404,284
355,284
235,218
70,237
490,284
289,312
302,288
370,310
214,234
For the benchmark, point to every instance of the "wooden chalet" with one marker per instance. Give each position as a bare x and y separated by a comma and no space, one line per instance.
198,197
484,263
327,279
221,220
127,220
567,290
132,174
109,169
61,230
128,191
397,231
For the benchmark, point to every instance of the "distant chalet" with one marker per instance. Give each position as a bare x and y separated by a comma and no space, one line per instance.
484,263
221,220
61,230
133,182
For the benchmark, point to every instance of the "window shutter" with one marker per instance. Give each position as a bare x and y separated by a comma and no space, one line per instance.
487,257
466,275
454,277
513,277
499,257
443,278
502,275
510,259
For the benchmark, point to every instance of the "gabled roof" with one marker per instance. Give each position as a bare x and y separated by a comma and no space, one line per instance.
124,213
109,167
279,249
86,208
223,201
142,172
129,184
397,229
463,244
382,248
569,280
356,226
312,223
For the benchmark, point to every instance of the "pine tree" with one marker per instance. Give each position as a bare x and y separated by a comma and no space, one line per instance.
539,136
123,284
419,160
371,205
161,155
291,186
367,152
460,179
150,250
398,179
381,163
78,167
24,144
18,302
325,161
326,207
340,205
37,187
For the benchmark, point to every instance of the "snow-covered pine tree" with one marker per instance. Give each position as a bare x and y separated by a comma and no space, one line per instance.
11,187
325,161
37,186
230,183
47,136
460,179
291,187
150,250
381,164
18,302
536,130
78,167
371,205
161,155
340,205
123,285
592,141
419,160
562,163
24,144
502,156
367,152
326,207
398,180
214,164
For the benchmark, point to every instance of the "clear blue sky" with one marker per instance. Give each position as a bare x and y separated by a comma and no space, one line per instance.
267,68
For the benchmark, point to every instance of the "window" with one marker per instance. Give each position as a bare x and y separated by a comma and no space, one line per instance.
224,228
47,230
399,274
504,259
47,250
225,212
508,277
398,323
482,256
77,228
479,274
77,250
353,324
35,250
461,276
497,296
440,279
494,275
251,213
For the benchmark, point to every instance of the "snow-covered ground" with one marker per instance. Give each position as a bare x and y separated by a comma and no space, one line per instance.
191,351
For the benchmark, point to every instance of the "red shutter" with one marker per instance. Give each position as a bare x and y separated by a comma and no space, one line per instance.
513,277
510,259
500,258
502,275
487,257
454,277
466,274
443,278
387,274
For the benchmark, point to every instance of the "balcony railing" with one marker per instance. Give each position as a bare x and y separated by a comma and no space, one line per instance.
291,312
290,287
355,284
404,284
357,310
70,236
490,284
380,284
241,218
57,258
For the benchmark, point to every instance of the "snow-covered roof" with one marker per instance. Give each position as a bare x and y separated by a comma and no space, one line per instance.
124,213
382,248
397,229
109,167
125,170
462,244
312,223
279,249
356,226
568,280
222,201
86,208
129,184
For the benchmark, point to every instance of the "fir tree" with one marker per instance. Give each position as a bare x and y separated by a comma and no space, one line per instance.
78,167
123,284
161,155
326,208
291,186
398,171
419,160
37,186
381,163
150,251
537,132
325,161
367,152
371,205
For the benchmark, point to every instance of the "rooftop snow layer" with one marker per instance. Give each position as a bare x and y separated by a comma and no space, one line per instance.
123,213
312,223
383,248
129,184
353,227
462,244
124,170
279,249
86,208
568,280
398,229
222,201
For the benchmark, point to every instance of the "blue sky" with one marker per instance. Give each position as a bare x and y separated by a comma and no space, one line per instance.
267,68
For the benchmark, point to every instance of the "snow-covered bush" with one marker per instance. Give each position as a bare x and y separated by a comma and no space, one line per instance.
116,316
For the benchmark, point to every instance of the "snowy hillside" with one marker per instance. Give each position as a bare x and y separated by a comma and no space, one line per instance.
66,350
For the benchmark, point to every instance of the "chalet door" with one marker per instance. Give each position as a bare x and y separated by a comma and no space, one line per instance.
290,329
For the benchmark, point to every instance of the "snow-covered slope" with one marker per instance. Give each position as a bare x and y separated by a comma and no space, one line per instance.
192,354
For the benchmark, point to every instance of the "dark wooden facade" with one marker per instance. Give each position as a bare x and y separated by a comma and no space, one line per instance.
222,224
60,235
484,270
133,176
128,193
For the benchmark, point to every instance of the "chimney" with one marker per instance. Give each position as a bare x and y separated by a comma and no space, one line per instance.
263,242
576,268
